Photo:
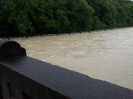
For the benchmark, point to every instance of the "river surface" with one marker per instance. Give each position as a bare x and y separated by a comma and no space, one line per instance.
105,55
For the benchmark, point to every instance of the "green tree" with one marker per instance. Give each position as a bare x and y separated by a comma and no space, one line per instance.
36,17
80,15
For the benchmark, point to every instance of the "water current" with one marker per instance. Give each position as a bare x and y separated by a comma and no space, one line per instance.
105,55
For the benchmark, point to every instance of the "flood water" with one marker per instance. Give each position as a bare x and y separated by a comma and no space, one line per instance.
105,55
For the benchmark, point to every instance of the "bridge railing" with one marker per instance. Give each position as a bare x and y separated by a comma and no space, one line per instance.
22,77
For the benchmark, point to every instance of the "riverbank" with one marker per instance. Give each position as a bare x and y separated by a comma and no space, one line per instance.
45,35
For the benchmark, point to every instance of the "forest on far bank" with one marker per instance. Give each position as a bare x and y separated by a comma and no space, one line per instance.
38,17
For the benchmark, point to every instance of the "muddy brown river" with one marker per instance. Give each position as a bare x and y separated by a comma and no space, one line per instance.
105,55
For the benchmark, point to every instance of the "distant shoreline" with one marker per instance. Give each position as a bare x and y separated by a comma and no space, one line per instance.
50,34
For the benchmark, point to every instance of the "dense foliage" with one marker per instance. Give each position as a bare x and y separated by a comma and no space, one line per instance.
36,17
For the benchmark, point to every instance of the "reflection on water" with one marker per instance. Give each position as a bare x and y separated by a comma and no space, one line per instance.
105,55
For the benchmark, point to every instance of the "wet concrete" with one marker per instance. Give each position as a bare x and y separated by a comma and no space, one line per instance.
43,80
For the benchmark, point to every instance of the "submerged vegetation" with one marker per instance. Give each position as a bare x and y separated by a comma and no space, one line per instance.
37,17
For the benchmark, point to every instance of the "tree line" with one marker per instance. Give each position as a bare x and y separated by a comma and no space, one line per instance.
37,17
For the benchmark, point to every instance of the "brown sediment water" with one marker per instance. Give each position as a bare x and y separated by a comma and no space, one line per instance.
105,55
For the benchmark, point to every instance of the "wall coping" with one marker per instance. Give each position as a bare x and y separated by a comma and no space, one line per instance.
37,77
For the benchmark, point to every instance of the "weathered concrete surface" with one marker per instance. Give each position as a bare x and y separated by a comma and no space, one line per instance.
42,80
10,48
